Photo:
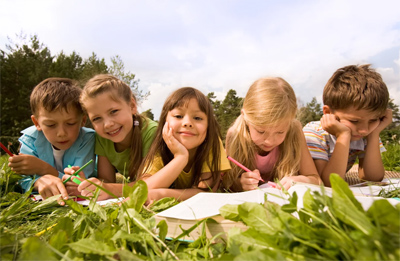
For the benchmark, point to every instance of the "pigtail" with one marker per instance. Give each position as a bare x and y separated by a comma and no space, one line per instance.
136,150
240,147
288,163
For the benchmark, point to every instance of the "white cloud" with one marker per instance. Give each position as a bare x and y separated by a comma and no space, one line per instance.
218,45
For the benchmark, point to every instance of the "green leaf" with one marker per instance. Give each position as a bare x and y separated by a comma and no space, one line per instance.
385,214
347,208
35,249
230,212
138,196
90,246
163,229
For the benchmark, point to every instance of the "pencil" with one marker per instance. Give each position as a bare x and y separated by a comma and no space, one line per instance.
6,150
240,165
77,172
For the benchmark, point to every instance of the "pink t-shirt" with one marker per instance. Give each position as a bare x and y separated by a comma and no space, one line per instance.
265,164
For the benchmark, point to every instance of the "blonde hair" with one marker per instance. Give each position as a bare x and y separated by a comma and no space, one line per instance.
118,91
268,102
358,86
211,144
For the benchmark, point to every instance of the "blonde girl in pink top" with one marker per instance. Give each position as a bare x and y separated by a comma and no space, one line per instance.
267,139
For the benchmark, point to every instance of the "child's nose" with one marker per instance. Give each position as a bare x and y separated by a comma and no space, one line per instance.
187,122
363,129
61,132
108,123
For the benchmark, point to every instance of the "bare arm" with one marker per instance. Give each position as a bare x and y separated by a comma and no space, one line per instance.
371,166
170,172
338,161
105,170
29,165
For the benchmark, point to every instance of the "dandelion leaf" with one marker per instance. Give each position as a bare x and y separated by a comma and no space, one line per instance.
35,249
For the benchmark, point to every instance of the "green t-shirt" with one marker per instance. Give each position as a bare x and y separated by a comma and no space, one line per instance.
120,160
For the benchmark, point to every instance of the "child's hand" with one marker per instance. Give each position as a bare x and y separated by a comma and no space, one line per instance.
49,186
87,189
287,182
384,121
173,144
250,180
72,187
26,164
331,124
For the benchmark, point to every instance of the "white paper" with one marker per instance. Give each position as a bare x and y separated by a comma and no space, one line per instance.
206,204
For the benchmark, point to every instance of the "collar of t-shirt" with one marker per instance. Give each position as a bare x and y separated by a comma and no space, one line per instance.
354,145
58,159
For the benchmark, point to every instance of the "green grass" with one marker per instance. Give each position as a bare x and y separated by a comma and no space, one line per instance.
391,157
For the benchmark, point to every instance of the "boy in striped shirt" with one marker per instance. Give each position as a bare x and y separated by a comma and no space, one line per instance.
355,112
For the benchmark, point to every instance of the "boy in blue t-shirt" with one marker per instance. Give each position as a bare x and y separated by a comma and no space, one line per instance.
56,140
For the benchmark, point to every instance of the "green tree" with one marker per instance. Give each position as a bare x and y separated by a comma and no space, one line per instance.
149,114
392,132
22,68
311,112
228,110
67,66
92,66
117,69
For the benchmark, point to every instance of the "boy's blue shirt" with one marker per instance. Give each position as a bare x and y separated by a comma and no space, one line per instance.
34,143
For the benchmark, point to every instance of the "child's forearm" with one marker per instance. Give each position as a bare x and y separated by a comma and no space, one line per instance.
168,174
338,161
178,194
372,163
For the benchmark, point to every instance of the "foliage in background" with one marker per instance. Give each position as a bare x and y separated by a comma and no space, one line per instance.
311,112
326,228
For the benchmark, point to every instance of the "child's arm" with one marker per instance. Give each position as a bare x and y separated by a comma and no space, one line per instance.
48,186
338,161
105,170
307,173
371,166
105,178
29,165
170,172
182,194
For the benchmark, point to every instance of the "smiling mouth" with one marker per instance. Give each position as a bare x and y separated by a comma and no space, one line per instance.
186,133
114,132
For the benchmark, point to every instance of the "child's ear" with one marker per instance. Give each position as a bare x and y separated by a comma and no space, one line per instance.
84,119
35,121
133,106
326,109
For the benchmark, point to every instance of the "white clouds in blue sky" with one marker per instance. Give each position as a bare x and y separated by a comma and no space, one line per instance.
219,45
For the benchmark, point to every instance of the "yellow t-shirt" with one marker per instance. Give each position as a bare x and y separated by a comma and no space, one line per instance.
184,179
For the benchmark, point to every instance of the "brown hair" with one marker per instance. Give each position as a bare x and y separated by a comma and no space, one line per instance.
119,91
211,144
358,86
268,102
55,94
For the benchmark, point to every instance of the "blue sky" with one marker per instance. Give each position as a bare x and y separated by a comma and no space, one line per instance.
218,45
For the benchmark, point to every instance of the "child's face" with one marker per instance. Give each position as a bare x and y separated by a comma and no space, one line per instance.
267,138
111,119
360,122
189,124
61,128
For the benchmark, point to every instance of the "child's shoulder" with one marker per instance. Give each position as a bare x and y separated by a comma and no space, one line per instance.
314,125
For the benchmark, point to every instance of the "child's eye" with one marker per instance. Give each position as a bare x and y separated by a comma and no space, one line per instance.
113,111
95,119
71,123
198,118
261,132
280,132
353,121
374,120
50,125
178,116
